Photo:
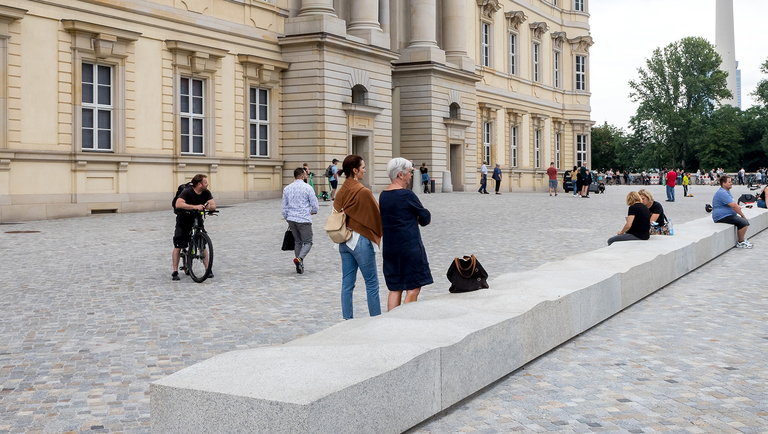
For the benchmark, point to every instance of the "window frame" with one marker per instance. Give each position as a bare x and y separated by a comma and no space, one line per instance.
257,122
580,81
557,70
512,51
579,5
487,138
581,148
486,39
535,61
201,117
97,107
537,149
513,146
558,147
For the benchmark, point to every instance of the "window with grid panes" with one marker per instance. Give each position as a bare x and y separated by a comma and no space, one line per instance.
259,115
537,145
557,150
192,102
512,53
97,108
581,73
581,149
557,69
513,146
578,5
487,142
536,48
485,44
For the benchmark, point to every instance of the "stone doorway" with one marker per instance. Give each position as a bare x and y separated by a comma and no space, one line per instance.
361,145
455,164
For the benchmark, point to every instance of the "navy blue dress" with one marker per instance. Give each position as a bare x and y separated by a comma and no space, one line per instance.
405,259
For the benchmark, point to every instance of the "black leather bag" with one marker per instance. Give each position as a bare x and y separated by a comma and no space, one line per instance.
288,241
466,274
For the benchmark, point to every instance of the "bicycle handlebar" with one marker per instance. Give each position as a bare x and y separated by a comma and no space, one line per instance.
195,212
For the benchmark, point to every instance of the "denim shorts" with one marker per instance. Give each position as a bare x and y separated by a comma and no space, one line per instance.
734,220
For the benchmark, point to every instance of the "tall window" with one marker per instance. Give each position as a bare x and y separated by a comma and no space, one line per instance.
259,115
454,111
512,53
581,72
581,149
97,107
485,44
487,142
557,150
536,48
578,5
513,146
359,94
537,156
557,69
192,116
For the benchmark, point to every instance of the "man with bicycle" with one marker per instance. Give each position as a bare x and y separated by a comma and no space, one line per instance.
194,198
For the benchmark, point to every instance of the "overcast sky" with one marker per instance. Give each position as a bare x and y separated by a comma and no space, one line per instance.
627,32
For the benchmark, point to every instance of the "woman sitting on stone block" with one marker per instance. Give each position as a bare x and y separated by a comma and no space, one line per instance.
638,224
661,226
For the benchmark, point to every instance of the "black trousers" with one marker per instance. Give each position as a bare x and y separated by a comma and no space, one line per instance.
498,184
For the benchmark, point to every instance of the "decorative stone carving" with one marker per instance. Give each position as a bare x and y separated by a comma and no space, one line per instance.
515,18
198,58
539,28
265,72
581,43
488,7
558,39
488,111
100,40
454,96
516,116
558,125
581,126
358,76
538,120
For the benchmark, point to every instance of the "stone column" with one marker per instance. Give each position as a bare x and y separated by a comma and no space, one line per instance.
364,22
384,15
423,43
316,16
455,34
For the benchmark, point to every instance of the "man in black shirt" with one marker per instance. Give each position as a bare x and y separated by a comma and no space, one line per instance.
198,198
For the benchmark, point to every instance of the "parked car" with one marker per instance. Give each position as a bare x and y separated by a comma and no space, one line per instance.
567,184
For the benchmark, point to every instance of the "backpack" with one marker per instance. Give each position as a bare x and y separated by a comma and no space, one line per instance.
329,172
181,188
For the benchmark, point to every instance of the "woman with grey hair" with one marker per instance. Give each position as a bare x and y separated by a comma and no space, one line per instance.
405,260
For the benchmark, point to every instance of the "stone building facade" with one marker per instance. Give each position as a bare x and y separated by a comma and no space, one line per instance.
108,106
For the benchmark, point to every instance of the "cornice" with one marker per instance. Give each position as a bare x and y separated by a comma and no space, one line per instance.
558,39
337,42
488,7
581,43
538,28
9,14
515,18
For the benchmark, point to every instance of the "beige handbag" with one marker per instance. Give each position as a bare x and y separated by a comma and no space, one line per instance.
336,226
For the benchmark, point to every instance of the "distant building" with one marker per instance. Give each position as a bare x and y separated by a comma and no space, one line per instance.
738,83
107,106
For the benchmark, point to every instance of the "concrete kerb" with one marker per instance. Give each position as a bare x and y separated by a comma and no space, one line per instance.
389,373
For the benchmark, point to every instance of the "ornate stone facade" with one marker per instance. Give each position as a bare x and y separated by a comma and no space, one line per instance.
108,106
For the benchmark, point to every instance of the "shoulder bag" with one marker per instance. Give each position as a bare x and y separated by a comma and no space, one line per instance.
336,226
466,274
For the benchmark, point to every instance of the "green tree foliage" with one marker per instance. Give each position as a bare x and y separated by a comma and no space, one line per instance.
676,93
612,149
723,147
761,92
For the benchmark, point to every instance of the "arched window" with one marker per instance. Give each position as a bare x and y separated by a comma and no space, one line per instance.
454,111
359,94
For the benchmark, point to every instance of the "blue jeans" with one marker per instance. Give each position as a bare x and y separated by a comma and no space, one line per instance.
760,203
362,257
671,193
483,184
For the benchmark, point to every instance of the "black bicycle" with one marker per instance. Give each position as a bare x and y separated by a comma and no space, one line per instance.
197,256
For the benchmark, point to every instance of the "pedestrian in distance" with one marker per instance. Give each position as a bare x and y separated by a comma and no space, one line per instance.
671,177
497,177
686,181
726,210
552,173
359,252
333,176
405,265
299,204
305,166
197,197
638,225
424,177
483,178
575,181
586,179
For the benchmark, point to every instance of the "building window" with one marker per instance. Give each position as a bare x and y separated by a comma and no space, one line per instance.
537,144
536,48
454,111
259,116
487,142
512,53
581,72
359,94
581,149
513,146
97,108
192,116
554,2
557,150
485,44
556,71
578,5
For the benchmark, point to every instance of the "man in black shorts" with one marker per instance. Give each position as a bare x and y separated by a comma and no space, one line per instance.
199,198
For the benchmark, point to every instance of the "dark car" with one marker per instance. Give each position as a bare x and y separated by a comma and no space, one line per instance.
567,184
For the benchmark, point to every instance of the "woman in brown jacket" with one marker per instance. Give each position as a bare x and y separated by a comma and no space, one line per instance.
364,220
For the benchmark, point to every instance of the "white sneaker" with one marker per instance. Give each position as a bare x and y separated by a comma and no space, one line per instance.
743,245
748,243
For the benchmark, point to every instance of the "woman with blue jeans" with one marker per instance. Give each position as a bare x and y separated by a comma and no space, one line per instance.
364,220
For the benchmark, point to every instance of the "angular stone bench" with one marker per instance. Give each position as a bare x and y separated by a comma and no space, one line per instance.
388,373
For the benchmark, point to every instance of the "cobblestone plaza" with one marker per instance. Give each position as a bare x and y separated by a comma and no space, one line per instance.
90,317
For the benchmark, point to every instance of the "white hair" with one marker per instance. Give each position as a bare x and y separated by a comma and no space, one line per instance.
396,166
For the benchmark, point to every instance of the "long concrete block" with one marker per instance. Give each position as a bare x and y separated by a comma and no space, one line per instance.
388,373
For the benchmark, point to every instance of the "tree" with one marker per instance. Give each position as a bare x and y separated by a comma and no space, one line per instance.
676,92
761,92
723,147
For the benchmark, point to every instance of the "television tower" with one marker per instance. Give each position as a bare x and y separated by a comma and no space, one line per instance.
725,45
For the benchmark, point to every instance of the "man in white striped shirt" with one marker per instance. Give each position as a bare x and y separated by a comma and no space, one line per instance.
299,203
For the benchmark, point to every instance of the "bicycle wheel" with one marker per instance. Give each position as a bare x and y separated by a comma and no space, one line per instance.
199,253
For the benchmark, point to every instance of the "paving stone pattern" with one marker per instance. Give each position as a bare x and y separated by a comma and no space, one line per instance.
89,315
